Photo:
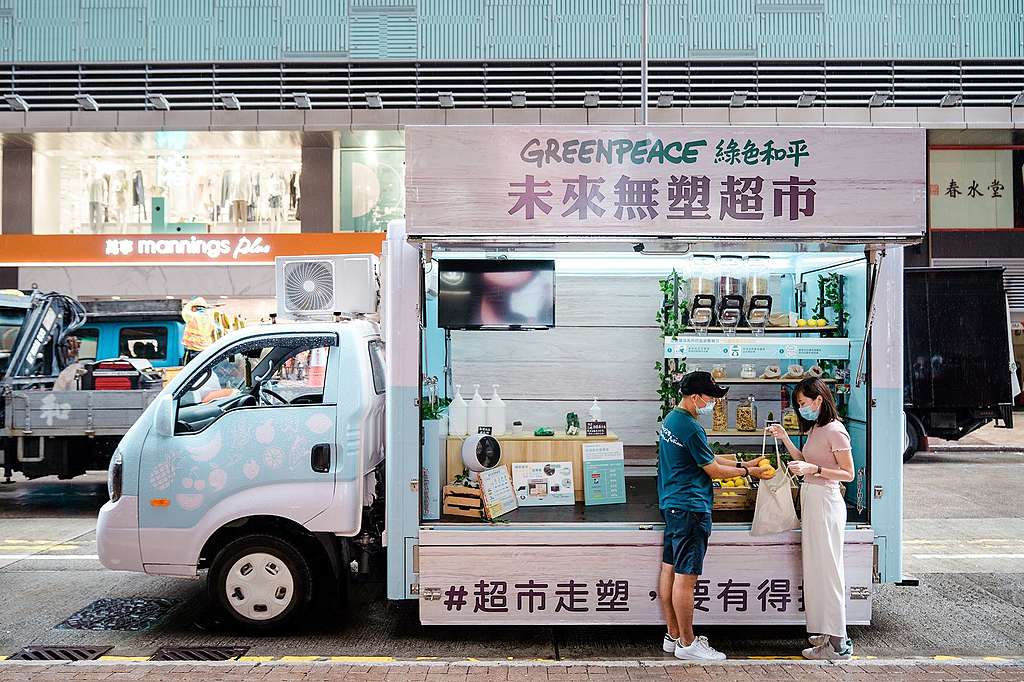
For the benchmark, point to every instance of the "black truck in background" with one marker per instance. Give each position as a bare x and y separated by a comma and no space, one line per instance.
959,372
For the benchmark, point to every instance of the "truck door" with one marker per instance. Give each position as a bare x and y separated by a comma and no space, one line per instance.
254,434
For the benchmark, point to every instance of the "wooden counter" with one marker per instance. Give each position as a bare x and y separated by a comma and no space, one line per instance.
527,448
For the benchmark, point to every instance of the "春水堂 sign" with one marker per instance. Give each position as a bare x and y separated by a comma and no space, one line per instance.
665,181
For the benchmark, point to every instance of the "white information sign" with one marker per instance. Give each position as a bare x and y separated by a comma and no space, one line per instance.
854,183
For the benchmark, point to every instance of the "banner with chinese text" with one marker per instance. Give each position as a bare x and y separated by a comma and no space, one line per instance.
567,581
665,181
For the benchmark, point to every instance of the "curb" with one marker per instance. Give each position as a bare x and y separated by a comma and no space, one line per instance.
434,662
976,448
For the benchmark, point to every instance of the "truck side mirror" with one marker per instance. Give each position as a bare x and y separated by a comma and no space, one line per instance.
163,418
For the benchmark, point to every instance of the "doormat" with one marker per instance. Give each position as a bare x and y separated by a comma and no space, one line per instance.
129,613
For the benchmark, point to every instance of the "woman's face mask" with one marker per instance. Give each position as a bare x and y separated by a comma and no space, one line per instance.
810,412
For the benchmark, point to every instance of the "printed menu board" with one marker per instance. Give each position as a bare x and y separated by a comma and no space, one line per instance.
604,473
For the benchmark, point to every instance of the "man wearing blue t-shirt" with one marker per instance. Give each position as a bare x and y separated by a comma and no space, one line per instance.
686,466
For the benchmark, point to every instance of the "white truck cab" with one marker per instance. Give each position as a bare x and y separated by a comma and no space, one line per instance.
259,461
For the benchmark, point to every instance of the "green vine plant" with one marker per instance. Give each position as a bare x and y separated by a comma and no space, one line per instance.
830,298
671,318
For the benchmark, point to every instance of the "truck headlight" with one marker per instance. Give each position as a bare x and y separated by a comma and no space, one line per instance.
115,476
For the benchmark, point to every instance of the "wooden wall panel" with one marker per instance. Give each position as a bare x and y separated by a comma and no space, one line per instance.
605,344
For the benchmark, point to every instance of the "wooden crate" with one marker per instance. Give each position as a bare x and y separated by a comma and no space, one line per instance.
734,498
460,500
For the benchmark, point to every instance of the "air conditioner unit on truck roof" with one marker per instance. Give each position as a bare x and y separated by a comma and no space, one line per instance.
317,287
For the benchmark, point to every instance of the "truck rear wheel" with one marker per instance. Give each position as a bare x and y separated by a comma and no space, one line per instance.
261,582
911,437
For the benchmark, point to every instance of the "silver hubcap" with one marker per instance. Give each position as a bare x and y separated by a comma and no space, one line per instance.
259,586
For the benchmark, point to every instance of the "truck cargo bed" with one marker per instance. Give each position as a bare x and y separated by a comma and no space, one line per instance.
74,413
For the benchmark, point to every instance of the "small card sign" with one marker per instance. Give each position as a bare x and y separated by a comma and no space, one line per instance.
597,429
485,430
499,496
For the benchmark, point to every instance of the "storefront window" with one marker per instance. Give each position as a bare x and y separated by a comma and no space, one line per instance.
372,182
975,187
166,182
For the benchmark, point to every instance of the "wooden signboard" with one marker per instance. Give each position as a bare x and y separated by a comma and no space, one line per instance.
507,577
780,183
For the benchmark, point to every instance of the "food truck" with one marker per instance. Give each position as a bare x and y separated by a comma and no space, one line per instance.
580,271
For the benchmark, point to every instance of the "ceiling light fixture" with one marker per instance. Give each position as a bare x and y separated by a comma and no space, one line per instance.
373,100
951,99
159,102
591,98
879,99
518,98
302,100
1018,100
16,102
807,99
86,102
446,100
230,101
666,99
738,99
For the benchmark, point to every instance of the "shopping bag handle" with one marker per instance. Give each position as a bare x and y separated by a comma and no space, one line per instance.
778,455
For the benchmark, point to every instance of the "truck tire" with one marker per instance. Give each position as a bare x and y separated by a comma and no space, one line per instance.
261,582
911,438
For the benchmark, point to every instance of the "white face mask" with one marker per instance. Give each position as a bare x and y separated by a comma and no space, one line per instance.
708,408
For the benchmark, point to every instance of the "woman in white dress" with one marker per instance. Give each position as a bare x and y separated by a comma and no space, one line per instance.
825,461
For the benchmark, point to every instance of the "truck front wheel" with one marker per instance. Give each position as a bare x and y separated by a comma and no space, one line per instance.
262,582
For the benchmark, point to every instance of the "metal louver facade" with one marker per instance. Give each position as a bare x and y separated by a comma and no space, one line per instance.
344,85
1013,275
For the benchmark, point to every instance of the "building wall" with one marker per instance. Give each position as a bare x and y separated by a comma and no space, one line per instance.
255,30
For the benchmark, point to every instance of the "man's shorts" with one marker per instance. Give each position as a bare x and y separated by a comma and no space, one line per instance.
686,540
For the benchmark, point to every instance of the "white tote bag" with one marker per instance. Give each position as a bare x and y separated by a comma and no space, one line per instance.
774,511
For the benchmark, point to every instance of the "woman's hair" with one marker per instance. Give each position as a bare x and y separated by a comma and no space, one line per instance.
813,387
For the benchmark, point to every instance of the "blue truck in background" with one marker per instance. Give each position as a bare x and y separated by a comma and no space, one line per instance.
75,376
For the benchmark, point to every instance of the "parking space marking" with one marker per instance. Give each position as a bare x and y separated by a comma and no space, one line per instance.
968,556
50,557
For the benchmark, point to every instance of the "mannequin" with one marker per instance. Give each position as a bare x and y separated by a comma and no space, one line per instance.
275,190
97,202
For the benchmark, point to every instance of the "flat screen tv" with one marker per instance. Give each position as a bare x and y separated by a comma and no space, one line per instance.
496,294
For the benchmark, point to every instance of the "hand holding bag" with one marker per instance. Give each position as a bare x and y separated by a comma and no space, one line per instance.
774,511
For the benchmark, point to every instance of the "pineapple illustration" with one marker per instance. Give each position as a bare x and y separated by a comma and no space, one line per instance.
163,474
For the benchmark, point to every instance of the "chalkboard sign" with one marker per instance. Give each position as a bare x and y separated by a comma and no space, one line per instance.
597,429
485,430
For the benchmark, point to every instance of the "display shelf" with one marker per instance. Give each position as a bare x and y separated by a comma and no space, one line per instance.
757,348
775,330
737,432
770,381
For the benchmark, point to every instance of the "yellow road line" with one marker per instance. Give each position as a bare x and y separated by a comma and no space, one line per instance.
299,659
364,659
948,658
123,658
256,659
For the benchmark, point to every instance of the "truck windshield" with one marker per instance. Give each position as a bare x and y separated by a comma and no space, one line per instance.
10,325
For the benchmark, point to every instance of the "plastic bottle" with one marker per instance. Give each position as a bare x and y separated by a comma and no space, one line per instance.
496,413
477,411
457,414
595,411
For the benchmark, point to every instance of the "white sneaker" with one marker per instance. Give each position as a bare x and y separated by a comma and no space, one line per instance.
668,645
817,640
699,650
825,652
